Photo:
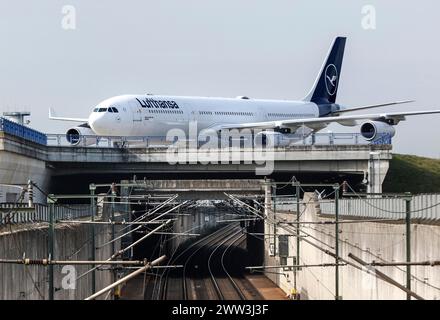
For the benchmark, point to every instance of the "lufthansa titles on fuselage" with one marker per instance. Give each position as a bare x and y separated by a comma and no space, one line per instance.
164,104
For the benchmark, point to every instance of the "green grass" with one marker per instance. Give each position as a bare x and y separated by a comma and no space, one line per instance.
413,174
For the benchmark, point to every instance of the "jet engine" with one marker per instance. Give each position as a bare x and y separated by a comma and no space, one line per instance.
81,135
374,130
271,139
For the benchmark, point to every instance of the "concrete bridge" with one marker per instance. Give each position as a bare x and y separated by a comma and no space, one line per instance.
22,159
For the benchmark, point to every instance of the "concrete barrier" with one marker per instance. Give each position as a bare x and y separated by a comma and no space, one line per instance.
367,240
21,282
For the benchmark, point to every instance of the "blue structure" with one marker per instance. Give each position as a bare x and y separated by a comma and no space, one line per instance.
385,139
23,132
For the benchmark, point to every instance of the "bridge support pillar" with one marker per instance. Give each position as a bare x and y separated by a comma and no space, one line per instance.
378,166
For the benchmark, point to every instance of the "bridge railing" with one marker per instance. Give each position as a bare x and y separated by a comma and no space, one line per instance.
20,213
326,138
424,207
62,140
22,131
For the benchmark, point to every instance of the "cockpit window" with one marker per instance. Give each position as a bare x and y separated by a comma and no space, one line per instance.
102,109
110,110
115,110
95,110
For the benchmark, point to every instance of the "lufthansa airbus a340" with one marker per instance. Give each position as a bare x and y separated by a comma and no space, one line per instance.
155,115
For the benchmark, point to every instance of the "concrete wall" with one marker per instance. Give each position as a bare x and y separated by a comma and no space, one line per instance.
20,161
16,169
369,241
71,242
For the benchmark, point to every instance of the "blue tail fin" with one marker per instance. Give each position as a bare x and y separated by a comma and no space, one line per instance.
325,88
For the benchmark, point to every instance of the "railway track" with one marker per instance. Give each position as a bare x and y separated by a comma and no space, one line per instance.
241,282
197,262
224,284
209,272
172,279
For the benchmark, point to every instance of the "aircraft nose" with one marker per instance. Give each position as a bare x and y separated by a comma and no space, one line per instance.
96,122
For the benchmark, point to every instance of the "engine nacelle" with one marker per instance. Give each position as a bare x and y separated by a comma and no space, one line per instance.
374,130
82,136
271,139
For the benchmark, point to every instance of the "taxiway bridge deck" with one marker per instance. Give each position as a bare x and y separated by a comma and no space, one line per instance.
23,159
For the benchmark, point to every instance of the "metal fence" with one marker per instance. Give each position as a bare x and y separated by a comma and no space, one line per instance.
424,207
61,140
93,141
21,131
325,138
40,213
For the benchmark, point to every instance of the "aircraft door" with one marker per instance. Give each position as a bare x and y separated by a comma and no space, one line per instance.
117,111
261,114
137,113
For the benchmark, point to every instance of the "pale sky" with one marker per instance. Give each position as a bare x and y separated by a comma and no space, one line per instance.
257,48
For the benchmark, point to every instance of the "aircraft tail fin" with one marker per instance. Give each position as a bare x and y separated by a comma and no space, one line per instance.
325,88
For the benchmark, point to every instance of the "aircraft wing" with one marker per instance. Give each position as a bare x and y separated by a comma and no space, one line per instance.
372,106
345,120
52,117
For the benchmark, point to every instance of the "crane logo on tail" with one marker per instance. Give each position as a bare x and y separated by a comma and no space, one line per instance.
331,79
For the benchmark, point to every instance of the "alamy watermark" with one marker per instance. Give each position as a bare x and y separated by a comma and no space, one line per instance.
368,21
230,146
68,282
68,18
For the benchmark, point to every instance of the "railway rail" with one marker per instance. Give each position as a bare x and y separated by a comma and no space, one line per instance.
210,269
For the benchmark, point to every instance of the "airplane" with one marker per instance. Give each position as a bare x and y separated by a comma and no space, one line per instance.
154,115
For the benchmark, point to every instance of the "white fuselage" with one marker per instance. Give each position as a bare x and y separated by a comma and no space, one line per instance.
155,115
